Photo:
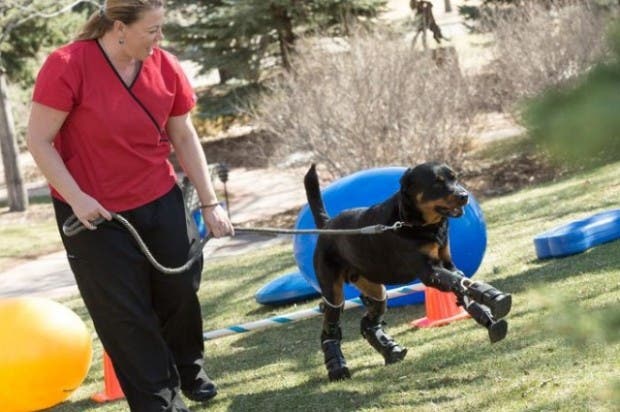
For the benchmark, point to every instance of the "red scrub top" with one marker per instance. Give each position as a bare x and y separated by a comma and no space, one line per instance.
113,142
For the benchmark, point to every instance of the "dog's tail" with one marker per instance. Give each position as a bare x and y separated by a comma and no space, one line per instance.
315,200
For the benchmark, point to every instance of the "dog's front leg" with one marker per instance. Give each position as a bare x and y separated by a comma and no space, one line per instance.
455,282
497,301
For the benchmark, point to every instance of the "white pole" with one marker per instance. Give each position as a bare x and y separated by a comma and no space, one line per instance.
301,314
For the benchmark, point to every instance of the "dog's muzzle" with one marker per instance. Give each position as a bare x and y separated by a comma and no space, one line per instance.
455,205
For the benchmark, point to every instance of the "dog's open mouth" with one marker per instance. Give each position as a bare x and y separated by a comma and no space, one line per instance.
450,212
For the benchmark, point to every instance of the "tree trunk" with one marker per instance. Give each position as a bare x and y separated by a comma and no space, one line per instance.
16,191
286,37
447,6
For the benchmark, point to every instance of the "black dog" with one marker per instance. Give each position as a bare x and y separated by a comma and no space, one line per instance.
428,195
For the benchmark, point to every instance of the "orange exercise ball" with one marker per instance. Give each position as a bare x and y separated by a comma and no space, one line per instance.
45,353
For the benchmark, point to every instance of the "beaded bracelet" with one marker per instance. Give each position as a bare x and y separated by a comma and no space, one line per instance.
209,205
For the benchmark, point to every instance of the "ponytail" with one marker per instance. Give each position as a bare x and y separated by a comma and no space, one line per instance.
126,11
96,26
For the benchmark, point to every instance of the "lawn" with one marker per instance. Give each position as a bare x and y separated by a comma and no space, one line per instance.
27,235
561,352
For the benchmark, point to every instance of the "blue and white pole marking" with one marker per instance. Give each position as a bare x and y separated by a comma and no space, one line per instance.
301,314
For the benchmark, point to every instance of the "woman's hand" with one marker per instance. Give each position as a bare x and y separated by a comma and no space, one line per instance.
87,209
217,221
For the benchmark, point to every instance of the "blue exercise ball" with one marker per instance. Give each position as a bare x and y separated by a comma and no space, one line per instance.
468,236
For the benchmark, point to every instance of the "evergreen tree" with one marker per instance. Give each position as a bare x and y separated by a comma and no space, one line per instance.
26,26
242,37
579,124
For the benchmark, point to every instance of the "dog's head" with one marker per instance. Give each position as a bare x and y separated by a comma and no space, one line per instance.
430,192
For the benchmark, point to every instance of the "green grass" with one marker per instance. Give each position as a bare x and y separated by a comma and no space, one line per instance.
561,352
29,234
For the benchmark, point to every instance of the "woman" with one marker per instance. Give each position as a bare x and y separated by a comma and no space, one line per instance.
106,110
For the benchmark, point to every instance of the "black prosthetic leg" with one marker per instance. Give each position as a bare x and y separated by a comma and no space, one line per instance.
497,301
482,301
371,327
482,315
331,336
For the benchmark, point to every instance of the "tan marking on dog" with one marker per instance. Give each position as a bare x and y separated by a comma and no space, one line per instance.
429,214
373,290
338,291
431,250
444,254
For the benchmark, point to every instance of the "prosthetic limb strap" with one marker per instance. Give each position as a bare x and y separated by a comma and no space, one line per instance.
447,281
498,302
480,291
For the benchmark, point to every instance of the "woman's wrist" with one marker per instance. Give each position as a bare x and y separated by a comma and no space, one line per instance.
209,205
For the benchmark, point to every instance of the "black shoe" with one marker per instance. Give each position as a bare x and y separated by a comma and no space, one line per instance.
202,392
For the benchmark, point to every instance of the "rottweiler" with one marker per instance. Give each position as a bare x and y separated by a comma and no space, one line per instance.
429,194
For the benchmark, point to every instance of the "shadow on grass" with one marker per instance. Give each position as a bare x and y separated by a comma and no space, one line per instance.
433,362
548,271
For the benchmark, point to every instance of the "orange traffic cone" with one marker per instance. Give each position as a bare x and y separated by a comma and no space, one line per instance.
441,309
112,389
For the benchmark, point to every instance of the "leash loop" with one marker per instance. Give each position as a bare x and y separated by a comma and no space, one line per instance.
73,226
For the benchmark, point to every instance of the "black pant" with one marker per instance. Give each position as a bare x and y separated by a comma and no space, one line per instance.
150,323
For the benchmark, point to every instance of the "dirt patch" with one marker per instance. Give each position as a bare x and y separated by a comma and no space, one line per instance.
489,178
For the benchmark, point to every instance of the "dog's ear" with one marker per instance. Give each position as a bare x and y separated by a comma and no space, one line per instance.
406,202
406,180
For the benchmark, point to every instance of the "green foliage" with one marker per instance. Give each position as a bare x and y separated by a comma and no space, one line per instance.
473,13
227,102
580,124
23,35
241,38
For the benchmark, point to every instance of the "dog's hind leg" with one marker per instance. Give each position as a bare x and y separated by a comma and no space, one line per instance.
372,323
331,334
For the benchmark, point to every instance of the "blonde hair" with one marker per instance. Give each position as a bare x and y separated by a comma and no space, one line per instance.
126,11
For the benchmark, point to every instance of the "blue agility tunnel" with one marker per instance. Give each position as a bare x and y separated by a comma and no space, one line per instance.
468,237
578,235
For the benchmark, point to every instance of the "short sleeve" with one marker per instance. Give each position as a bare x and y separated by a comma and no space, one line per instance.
56,84
185,98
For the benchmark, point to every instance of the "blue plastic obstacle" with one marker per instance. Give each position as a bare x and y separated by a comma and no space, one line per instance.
579,235
468,236
289,288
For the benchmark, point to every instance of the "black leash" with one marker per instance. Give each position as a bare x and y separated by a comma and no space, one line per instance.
73,226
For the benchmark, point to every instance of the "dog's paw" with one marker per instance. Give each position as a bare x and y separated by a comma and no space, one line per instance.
397,354
501,305
339,374
498,330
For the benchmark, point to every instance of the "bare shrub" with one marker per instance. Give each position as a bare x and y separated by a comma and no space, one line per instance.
368,101
539,45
